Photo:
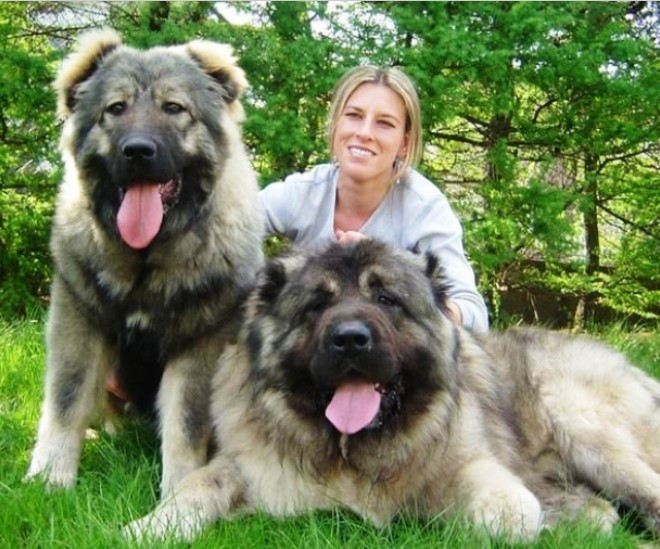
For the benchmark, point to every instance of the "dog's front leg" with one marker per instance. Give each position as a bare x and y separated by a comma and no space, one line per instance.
76,354
183,404
492,496
205,495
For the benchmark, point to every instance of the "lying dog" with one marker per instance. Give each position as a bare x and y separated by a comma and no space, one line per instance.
349,387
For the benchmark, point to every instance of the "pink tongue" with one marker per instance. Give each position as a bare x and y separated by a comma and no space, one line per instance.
140,215
353,406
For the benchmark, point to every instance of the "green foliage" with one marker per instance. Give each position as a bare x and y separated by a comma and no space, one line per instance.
291,74
540,119
275,245
25,266
27,126
543,89
27,152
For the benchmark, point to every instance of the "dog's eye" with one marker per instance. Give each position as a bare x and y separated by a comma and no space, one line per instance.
387,300
317,304
116,109
173,108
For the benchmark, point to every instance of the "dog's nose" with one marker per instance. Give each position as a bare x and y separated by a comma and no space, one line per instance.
139,148
351,337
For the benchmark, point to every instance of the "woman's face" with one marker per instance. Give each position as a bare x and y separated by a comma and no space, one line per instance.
370,134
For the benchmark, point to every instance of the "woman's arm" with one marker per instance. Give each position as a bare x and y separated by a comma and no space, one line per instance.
437,229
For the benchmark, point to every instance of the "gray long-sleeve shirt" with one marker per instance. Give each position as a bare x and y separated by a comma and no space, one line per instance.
413,215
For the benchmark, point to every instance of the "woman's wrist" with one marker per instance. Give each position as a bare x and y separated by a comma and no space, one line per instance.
455,313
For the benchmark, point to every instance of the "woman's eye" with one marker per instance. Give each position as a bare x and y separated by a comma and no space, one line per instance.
173,108
116,109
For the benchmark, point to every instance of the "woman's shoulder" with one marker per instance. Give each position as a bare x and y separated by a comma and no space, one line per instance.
299,184
420,189
318,175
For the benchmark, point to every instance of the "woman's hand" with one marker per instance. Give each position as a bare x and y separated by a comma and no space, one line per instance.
347,237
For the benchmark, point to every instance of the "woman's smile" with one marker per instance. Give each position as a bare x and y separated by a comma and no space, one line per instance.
370,135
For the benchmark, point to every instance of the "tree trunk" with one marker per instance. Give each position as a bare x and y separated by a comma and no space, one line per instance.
591,238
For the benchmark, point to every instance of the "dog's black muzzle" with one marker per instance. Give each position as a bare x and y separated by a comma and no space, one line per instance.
142,157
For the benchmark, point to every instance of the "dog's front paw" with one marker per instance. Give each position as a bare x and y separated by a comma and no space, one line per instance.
55,456
496,499
146,529
515,514
55,471
165,522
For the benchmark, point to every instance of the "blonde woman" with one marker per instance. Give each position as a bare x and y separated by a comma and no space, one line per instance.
371,189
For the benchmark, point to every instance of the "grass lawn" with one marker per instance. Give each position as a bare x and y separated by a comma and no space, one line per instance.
119,475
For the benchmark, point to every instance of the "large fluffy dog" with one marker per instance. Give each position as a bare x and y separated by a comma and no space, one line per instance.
350,388
155,238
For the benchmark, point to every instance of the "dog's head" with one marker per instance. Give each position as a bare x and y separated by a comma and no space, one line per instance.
356,338
148,132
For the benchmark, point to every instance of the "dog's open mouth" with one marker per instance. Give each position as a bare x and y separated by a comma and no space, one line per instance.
142,209
359,404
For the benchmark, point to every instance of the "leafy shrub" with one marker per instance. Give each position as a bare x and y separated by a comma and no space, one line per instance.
25,264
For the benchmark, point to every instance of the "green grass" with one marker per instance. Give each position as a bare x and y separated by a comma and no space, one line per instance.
119,475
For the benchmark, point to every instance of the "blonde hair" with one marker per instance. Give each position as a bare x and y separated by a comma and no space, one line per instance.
399,83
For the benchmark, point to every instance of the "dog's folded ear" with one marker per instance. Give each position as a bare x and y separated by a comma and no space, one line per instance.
435,272
271,280
81,64
219,62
